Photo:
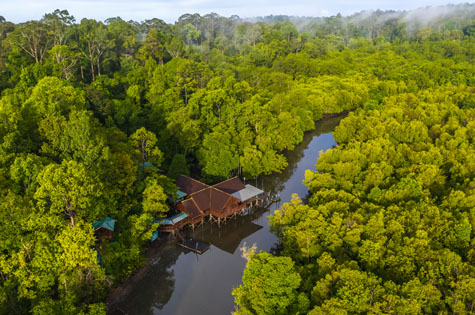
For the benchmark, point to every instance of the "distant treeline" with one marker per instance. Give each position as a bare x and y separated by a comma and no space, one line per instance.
392,25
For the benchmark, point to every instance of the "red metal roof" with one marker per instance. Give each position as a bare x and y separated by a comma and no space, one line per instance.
190,208
219,199
231,185
203,198
211,199
189,185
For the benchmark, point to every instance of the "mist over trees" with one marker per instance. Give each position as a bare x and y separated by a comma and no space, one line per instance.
94,114
388,24
388,225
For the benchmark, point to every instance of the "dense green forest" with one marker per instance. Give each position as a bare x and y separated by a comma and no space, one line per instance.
388,224
98,118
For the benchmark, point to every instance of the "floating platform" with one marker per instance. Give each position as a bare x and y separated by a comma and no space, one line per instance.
195,245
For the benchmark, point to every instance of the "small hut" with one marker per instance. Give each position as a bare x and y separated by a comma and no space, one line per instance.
104,228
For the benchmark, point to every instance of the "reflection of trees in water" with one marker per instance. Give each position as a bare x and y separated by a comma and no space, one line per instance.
230,235
276,182
163,279
155,289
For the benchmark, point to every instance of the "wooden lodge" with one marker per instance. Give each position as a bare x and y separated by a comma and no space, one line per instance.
104,229
199,201
217,202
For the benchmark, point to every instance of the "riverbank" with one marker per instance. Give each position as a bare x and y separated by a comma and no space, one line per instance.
174,281
119,292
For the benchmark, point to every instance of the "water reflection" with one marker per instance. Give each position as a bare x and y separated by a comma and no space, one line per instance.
182,282
228,237
156,284
307,152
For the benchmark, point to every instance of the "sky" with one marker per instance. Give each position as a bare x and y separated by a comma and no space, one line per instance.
169,11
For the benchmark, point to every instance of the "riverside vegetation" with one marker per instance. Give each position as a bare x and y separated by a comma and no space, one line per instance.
96,119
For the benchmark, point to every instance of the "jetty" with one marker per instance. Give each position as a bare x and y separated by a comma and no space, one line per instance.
196,246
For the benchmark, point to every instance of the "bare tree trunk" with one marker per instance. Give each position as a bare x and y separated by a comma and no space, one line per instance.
92,68
98,62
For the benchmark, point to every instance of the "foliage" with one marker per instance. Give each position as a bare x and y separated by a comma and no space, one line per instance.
178,167
93,114
389,221
269,286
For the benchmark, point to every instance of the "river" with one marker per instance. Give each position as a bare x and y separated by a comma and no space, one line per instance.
181,282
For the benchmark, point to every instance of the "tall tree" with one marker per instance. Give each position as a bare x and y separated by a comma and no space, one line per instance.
68,189
145,143
59,22
92,40
34,38
269,286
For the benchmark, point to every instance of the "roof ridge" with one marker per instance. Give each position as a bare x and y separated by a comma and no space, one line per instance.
222,191
194,179
225,181
230,196
208,187
196,205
